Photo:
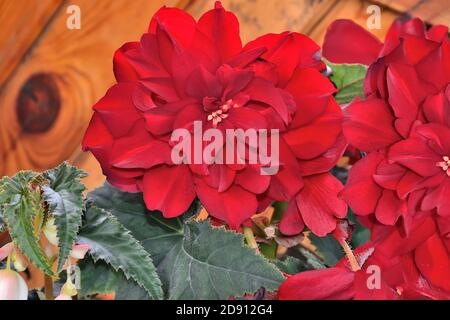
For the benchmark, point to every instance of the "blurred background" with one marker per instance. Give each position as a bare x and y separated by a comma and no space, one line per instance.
51,75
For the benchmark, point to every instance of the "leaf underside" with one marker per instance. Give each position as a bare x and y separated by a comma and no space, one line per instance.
20,204
64,195
111,242
349,80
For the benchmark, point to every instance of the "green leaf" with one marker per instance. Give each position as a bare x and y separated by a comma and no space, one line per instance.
269,250
64,195
128,290
349,80
195,260
360,234
97,278
291,265
20,205
111,242
328,248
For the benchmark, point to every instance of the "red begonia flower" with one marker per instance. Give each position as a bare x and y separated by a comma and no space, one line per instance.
424,255
183,71
403,124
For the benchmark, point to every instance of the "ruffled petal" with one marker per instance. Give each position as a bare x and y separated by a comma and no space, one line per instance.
233,206
319,204
168,189
361,192
369,125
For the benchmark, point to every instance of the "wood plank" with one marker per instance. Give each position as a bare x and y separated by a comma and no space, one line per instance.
258,17
355,10
79,63
431,11
22,21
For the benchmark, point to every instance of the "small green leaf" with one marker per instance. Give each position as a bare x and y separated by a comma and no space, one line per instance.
97,278
195,260
111,242
349,80
64,195
360,234
20,204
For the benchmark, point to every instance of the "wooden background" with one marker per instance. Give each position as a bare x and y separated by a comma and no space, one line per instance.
50,76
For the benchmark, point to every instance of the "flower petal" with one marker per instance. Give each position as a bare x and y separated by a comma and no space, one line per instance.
347,42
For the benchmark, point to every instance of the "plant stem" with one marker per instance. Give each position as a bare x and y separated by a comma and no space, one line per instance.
48,287
350,256
250,238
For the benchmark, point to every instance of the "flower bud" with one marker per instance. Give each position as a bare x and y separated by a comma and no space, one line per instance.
6,250
79,251
63,296
12,286
69,289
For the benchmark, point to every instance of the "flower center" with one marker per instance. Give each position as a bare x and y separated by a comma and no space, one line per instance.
445,165
217,116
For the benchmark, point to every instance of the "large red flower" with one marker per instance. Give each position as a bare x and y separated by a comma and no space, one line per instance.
424,254
403,124
183,71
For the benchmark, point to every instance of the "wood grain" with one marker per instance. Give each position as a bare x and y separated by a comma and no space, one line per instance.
80,63
431,11
22,22
355,10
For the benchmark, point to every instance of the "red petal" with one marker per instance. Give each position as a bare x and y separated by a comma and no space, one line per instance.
324,162
289,51
222,27
117,110
319,204
168,189
414,154
252,180
389,208
433,261
370,125
438,198
331,283
437,109
140,150
405,91
233,206
291,222
347,42
317,137
179,24
123,70
361,192
396,243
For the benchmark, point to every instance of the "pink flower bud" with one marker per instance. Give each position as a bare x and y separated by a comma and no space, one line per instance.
63,296
6,250
79,251
12,286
